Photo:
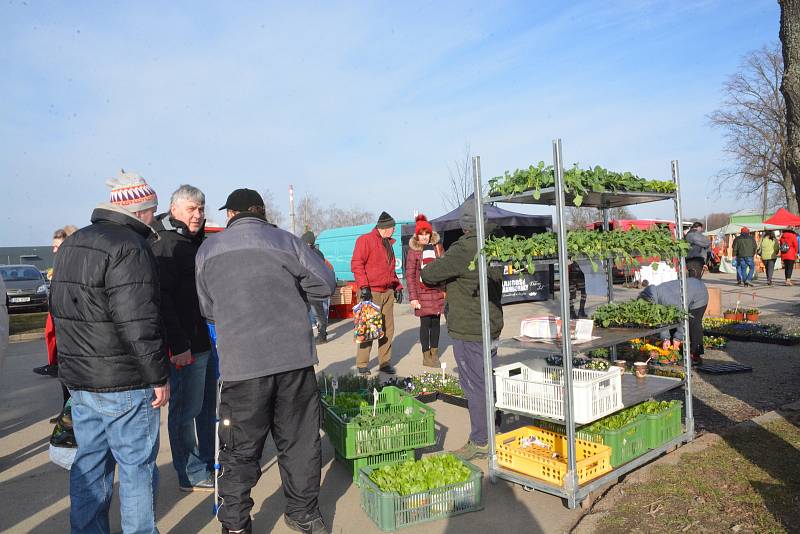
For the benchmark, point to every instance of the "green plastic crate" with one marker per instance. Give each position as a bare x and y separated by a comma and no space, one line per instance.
391,511
665,426
626,443
351,441
378,460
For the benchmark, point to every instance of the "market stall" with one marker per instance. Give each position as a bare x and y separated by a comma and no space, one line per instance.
528,287
553,456
722,241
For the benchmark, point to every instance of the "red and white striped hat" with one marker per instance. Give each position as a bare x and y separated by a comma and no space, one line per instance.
132,192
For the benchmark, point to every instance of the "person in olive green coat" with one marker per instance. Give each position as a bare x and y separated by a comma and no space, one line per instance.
464,323
768,250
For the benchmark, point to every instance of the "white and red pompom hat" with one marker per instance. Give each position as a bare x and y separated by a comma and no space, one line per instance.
132,192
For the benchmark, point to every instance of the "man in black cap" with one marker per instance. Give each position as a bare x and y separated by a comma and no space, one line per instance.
254,281
375,270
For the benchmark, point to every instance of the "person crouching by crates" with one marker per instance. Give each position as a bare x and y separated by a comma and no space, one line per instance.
669,293
373,267
253,283
427,302
464,323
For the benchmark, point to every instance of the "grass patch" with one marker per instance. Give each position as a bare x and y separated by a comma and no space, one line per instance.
748,483
21,323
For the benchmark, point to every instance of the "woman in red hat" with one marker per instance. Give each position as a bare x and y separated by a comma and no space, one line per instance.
427,302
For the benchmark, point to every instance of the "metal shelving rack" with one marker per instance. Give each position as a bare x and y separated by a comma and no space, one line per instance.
571,491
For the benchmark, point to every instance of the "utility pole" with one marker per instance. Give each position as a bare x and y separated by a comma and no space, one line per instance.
291,209
765,200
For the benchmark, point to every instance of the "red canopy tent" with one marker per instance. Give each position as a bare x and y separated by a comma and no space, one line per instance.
784,217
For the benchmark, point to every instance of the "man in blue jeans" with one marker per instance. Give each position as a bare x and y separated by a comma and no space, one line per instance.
192,378
744,249
104,299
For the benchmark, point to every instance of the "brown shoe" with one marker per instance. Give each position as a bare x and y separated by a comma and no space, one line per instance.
430,358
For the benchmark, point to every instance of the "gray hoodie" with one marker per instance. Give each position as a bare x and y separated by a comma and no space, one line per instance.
669,294
699,244
254,281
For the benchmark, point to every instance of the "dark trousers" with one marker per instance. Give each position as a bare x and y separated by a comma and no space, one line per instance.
429,328
469,358
286,404
788,267
769,266
696,331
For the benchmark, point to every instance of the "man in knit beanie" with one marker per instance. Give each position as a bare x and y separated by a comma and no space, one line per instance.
132,193
375,270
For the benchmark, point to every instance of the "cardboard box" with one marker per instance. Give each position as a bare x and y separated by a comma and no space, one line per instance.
549,327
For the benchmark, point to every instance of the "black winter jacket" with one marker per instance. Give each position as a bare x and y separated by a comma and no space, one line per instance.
175,250
104,299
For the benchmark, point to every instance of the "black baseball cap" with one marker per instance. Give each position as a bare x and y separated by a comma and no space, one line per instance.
242,200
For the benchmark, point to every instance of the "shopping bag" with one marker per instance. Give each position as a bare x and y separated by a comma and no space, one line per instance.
368,321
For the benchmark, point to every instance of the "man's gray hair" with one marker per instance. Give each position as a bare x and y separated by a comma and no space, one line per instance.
188,192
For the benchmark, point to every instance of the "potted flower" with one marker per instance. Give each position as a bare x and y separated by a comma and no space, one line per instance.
751,314
733,315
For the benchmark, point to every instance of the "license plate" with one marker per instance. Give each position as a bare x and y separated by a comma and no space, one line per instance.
21,299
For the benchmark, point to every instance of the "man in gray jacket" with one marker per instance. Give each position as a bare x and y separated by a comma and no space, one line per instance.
254,281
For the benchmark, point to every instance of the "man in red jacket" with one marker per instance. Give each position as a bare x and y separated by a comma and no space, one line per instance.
373,265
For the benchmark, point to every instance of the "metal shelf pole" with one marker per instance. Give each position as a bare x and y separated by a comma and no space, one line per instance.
609,263
571,478
483,289
687,357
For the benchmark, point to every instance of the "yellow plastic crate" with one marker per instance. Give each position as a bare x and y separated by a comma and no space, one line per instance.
594,459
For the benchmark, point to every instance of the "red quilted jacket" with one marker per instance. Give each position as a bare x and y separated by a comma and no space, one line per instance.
431,299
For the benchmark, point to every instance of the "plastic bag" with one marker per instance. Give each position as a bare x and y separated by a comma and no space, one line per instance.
63,446
368,321
63,456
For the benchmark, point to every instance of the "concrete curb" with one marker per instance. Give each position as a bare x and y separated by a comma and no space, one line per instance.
589,521
27,336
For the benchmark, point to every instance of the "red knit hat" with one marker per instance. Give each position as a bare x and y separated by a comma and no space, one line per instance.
422,224
745,230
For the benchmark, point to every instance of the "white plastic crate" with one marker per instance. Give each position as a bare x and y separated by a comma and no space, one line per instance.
534,388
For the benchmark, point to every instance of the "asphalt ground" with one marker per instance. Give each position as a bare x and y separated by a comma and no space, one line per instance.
35,492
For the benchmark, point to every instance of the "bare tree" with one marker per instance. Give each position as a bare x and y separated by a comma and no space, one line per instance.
790,89
717,220
313,216
579,218
460,183
273,213
753,119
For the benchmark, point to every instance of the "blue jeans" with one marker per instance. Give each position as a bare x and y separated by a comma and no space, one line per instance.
745,268
185,424
314,315
114,429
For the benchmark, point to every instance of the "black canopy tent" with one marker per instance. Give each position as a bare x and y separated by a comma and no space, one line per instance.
448,226
516,287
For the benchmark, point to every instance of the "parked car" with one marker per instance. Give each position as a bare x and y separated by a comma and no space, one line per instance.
26,288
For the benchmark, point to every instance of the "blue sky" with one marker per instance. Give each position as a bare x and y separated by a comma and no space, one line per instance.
359,104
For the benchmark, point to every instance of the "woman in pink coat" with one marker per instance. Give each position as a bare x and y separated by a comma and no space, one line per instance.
427,302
